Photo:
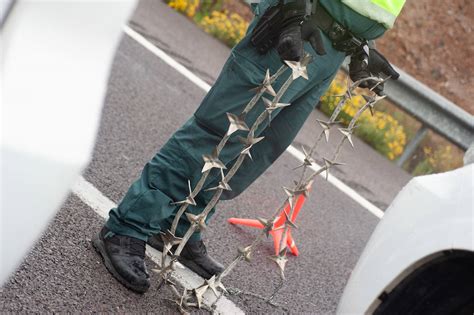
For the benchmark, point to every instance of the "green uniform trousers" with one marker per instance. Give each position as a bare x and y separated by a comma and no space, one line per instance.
147,207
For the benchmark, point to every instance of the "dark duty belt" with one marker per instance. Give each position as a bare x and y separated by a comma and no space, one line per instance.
342,39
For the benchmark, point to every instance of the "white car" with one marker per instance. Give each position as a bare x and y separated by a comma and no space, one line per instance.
420,258
56,57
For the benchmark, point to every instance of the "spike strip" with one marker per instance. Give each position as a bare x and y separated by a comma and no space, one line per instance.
260,236
204,176
250,105
332,119
254,127
215,199
244,254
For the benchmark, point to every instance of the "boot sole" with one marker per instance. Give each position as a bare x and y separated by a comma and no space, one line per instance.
98,244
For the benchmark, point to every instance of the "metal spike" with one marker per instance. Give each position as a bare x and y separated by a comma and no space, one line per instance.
270,106
379,82
371,108
189,199
221,286
347,134
291,194
199,294
248,144
326,127
328,164
265,86
214,284
304,188
200,220
246,251
184,297
308,159
167,269
372,101
212,161
267,225
211,284
297,69
236,123
169,239
368,98
288,221
222,184
280,260
180,302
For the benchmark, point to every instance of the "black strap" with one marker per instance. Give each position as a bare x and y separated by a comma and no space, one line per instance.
323,18
340,36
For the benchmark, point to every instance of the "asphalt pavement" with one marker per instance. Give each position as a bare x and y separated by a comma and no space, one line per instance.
146,101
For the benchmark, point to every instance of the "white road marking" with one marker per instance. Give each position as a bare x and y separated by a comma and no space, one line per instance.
92,197
292,150
166,58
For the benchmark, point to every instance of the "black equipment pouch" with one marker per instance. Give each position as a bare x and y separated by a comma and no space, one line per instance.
265,34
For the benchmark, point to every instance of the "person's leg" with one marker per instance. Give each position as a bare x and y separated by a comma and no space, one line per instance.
146,208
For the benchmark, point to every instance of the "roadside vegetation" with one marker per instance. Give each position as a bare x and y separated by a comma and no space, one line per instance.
388,131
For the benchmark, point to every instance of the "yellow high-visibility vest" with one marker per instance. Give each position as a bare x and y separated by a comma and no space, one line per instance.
382,11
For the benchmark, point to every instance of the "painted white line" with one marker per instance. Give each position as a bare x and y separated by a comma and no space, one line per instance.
92,197
166,58
206,87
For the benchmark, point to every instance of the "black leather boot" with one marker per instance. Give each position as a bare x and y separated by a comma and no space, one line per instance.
194,256
124,257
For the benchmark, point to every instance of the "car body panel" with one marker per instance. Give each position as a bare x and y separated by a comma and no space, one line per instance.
431,214
56,57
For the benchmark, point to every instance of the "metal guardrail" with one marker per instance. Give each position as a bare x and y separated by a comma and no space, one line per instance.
432,110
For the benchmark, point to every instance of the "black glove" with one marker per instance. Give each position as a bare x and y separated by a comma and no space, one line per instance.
371,64
311,33
290,43
284,27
